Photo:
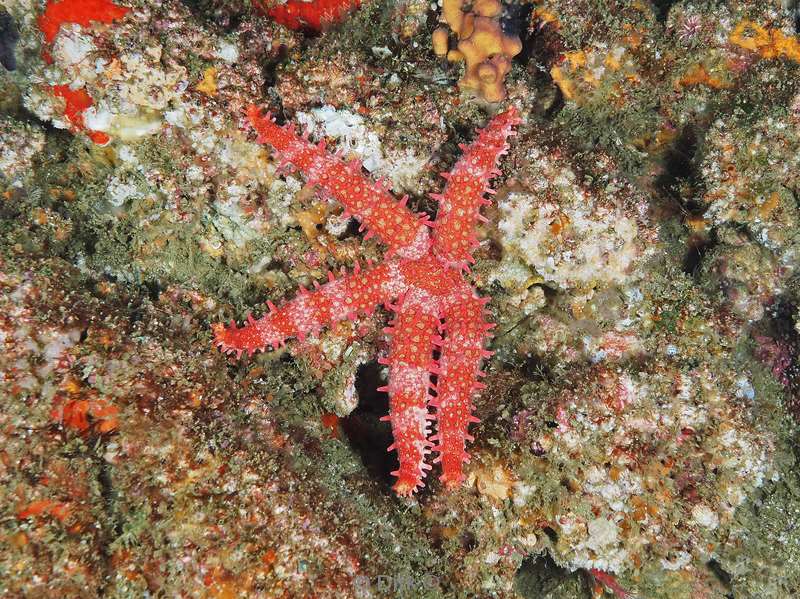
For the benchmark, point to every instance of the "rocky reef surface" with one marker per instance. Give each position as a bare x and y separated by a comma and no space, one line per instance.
639,425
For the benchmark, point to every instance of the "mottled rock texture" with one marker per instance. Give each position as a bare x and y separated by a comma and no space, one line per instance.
639,426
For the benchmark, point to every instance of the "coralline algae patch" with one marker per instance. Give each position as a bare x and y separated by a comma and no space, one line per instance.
177,154
583,72
125,470
19,144
671,454
655,451
574,237
648,77
750,170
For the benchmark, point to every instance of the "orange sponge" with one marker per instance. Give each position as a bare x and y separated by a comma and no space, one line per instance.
482,45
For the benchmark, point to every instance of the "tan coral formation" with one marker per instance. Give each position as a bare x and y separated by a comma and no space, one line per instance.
482,45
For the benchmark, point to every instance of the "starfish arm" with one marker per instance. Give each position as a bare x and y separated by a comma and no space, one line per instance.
410,363
403,231
336,300
465,331
459,205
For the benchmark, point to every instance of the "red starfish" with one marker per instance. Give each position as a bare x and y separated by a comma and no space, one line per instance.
423,272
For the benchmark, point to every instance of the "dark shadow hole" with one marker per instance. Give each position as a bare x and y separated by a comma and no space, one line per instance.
367,435
780,326
89,243
538,576
678,165
662,9
515,18
153,290
109,495
468,541
541,48
351,230
269,69
217,13
721,575
535,369
9,35
698,248
551,534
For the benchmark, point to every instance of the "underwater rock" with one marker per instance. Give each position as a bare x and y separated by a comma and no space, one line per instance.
638,430
8,40
19,144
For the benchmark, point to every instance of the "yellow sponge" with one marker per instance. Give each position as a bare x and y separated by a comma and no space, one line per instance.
482,45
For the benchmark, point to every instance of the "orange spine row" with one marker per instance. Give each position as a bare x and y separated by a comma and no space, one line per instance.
403,231
307,313
467,184
459,366
410,364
